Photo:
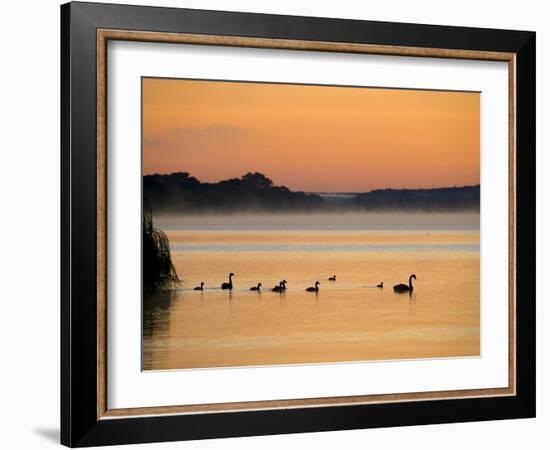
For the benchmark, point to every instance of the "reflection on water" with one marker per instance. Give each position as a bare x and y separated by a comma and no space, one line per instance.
156,318
347,320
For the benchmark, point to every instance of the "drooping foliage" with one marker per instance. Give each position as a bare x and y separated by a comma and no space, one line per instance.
159,273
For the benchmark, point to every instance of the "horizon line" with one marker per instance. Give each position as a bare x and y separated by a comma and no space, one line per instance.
312,192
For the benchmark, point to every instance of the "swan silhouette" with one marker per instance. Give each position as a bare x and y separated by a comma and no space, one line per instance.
199,288
230,284
332,278
381,285
314,289
256,288
281,287
403,287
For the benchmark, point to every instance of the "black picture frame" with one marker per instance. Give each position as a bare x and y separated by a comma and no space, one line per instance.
80,425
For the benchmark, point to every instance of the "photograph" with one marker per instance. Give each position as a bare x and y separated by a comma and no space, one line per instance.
286,221
305,224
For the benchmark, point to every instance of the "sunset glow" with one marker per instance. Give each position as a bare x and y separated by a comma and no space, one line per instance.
312,138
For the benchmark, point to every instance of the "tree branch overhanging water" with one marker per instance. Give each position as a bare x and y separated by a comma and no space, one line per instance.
159,273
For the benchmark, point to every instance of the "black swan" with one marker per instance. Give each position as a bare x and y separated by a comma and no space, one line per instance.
381,285
199,288
230,284
281,287
256,288
332,278
314,289
403,287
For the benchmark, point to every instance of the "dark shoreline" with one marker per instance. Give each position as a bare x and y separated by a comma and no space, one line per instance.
254,192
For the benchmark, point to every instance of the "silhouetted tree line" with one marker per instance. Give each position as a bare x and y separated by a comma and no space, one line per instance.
439,199
158,271
180,192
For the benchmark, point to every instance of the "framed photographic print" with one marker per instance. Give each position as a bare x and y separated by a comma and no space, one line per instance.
277,224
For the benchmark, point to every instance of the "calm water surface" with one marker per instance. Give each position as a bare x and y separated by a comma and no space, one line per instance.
348,320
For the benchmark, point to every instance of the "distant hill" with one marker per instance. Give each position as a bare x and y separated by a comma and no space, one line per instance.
438,199
181,192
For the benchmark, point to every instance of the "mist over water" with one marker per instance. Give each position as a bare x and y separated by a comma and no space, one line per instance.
418,221
347,320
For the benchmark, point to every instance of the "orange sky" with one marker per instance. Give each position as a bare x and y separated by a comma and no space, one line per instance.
311,138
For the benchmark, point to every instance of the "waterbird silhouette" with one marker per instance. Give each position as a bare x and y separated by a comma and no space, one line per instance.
230,284
314,289
199,288
256,288
332,278
280,288
403,287
381,285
